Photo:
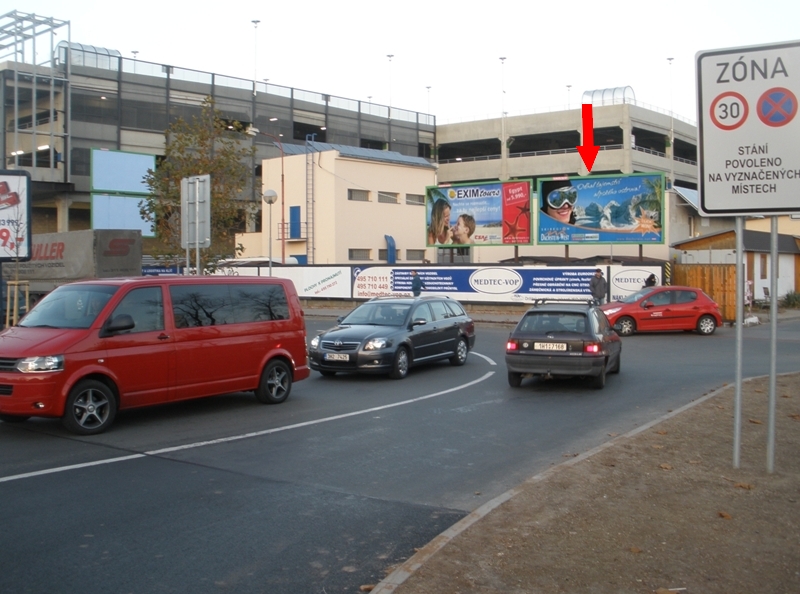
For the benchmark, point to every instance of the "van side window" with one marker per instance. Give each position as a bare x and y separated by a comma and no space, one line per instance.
145,306
215,305
201,305
257,303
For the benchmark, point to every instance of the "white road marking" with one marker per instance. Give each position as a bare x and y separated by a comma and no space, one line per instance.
201,444
490,361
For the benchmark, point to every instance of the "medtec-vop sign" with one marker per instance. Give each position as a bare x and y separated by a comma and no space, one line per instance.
749,135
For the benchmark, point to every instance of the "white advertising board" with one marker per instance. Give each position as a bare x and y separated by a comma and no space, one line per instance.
749,135
310,282
15,216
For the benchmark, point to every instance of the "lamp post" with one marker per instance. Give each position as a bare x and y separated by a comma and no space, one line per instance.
251,131
390,56
671,131
270,196
255,53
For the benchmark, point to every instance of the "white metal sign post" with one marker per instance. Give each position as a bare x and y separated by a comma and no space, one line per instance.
749,164
195,216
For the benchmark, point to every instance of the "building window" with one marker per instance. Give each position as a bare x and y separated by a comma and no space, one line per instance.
387,197
81,163
383,255
359,254
418,199
358,195
764,266
94,108
378,145
418,255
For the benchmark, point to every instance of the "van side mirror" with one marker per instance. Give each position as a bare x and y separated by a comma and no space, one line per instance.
117,324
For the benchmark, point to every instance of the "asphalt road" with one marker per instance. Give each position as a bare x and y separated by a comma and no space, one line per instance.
327,490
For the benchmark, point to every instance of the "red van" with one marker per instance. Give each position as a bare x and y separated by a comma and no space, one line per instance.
91,348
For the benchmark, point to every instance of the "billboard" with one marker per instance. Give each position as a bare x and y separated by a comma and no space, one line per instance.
15,216
484,214
498,284
118,187
120,171
625,208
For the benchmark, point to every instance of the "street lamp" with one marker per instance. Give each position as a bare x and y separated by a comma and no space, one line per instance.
671,131
390,56
255,53
270,196
251,131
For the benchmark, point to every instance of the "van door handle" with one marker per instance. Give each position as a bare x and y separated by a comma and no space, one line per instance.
163,336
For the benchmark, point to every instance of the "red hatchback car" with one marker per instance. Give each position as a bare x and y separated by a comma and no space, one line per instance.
664,308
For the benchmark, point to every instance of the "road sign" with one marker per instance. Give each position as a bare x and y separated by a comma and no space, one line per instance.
749,138
777,107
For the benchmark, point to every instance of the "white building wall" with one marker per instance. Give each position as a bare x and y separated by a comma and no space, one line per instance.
341,224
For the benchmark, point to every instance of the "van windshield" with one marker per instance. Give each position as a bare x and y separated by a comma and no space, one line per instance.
69,306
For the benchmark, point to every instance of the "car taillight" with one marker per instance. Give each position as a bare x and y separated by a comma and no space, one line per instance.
591,347
512,345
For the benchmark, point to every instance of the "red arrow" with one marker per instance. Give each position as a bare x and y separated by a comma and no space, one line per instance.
588,150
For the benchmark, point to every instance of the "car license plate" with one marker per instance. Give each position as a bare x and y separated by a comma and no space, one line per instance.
337,357
550,346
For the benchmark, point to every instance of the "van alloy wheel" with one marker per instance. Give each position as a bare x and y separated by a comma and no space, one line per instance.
276,383
90,409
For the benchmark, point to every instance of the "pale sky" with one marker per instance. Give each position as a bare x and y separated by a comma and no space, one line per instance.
341,48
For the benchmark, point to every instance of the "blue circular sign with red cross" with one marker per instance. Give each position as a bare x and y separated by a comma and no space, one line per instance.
777,107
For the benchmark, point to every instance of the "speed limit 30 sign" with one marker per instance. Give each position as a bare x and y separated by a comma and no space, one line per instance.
749,141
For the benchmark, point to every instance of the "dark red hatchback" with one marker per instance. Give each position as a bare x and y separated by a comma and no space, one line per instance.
664,308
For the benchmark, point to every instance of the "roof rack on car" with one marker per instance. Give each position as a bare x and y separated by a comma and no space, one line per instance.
577,301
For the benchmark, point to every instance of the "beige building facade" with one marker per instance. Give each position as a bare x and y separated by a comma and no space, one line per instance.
339,205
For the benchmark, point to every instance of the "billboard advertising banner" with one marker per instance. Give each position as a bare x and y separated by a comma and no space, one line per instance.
479,214
487,284
120,171
15,216
601,209
491,284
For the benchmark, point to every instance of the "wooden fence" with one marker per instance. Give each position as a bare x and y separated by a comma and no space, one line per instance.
717,280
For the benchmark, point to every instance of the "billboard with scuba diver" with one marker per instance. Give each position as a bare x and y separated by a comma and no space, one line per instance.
496,213
596,209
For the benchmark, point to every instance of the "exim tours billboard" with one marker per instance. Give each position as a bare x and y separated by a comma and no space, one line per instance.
484,214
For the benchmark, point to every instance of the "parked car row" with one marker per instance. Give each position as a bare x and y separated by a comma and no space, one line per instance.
91,348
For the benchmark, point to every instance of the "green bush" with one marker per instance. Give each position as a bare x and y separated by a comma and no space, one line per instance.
791,300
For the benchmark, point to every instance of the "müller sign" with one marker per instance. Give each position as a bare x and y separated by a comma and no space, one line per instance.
749,142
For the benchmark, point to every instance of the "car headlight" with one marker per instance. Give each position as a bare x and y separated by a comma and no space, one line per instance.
376,344
41,364
315,342
612,311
